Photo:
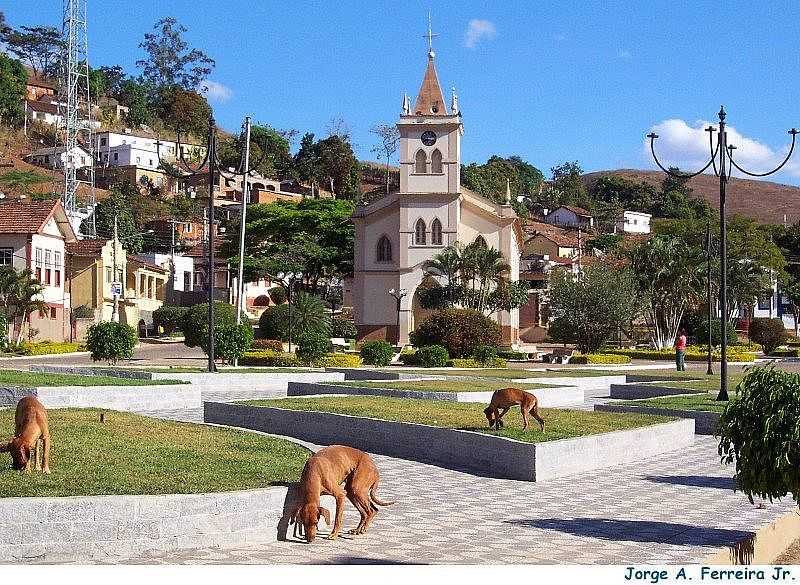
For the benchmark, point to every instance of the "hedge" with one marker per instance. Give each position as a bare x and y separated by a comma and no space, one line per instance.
513,355
600,358
377,353
170,317
432,356
691,356
473,363
272,344
408,357
340,360
785,353
269,358
50,347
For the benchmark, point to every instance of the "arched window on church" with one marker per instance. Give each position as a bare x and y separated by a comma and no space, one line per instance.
420,237
436,232
436,162
421,164
384,250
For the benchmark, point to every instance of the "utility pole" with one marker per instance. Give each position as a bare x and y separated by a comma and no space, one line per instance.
242,223
709,300
115,309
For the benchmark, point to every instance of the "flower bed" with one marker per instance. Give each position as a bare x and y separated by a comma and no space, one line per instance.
691,356
600,358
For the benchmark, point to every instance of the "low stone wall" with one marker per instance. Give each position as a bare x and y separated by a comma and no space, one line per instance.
479,453
125,398
665,377
362,374
97,527
92,371
597,385
548,397
635,391
270,384
705,422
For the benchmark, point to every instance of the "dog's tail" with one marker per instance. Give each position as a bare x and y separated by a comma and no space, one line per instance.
374,498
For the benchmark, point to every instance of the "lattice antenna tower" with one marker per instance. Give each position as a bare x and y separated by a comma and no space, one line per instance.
76,114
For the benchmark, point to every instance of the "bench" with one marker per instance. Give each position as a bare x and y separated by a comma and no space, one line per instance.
559,355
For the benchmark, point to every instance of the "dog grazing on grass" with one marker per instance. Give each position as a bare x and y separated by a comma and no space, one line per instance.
504,399
30,425
324,474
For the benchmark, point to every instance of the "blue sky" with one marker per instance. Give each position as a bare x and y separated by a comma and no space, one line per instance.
550,81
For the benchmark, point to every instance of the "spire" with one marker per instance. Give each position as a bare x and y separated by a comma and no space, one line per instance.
454,102
406,105
430,100
508,191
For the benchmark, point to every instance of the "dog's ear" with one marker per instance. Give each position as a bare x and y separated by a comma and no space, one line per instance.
327,515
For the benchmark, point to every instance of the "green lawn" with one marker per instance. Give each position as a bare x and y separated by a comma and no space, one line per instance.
561,424
22,379
708,384
131,454
438,385
505,373
703,402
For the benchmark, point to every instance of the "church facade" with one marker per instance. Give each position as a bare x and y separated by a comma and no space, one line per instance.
397,234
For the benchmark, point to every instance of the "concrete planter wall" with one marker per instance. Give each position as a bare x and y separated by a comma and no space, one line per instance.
635,391
595,385
479,453
705,422
267,383
96,527
93,371
548,397
125,398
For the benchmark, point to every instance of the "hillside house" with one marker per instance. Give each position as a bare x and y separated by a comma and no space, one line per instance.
570,216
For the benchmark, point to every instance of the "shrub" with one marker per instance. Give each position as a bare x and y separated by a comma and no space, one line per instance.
83,312
600,358
473,363
313,346
408,357
513,355
693,354
770,333
377,353
485,354
340,360
50,347
269,358
278,295
459,331
701,333
759,433
111,341
345,328
231,341
432,356
195,322
785,353
308,315
274,322
170,317
273,344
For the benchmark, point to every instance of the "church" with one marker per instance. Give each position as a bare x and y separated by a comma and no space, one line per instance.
397,234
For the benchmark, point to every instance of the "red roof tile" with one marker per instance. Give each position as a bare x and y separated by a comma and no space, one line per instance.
24,216
90,248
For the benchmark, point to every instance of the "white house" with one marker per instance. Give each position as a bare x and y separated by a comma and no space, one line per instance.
182,275
570,216
56,157
397,234
634,222
128,148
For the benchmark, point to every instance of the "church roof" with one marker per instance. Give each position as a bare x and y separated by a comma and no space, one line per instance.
430,100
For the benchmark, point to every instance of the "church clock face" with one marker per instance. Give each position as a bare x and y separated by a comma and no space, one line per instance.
428,138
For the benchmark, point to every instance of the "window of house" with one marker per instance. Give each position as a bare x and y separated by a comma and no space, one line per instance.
436,233
53,313
436,162
39,264
138,160
103,141
384,250
116,156
57,268
421,162
187,281
6,256
187,228
151,162
420,235
765,302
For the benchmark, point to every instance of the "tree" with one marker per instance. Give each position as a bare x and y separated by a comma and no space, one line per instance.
13,79
389,138
122,203
38,46
567,185
135,95
629,194
329,162
667,280
169,61
588,308
27,298
111,341
269,150
113,78
183,111
676,200
498,175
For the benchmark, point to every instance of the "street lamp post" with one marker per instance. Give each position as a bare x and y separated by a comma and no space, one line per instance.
709,300
287,279
722,167
398,295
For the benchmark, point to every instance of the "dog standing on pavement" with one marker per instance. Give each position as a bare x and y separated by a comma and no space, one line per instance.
324,474
30,425
504,399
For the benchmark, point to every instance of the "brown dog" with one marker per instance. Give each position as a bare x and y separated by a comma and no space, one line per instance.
323,475
30,425
504,399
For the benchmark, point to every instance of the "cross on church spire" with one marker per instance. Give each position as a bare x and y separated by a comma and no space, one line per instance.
430,100
430,35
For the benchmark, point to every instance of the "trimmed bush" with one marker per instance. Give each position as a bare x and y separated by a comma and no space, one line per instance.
278,295
485,354
693,354
83,312
408,357
473,363
170,317
308,315
432,356
269,358
600,358
459,331
345,328
231,341
273,344
313,346
111,341
195,322
50,347
759,433
785,353
770,333
274,322
701,333
513,355
340,360
377,353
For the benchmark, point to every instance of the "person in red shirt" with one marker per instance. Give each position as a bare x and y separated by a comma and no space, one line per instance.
680,350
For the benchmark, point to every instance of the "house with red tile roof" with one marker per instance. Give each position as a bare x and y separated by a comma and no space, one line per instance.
570,216
33,236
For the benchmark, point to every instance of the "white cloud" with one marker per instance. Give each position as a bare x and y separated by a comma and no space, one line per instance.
478,30
686,146
215,92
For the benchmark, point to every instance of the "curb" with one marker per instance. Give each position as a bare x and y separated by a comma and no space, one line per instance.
763,547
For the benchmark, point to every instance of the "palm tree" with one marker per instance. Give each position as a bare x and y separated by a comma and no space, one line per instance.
26,297
490,269
8,282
